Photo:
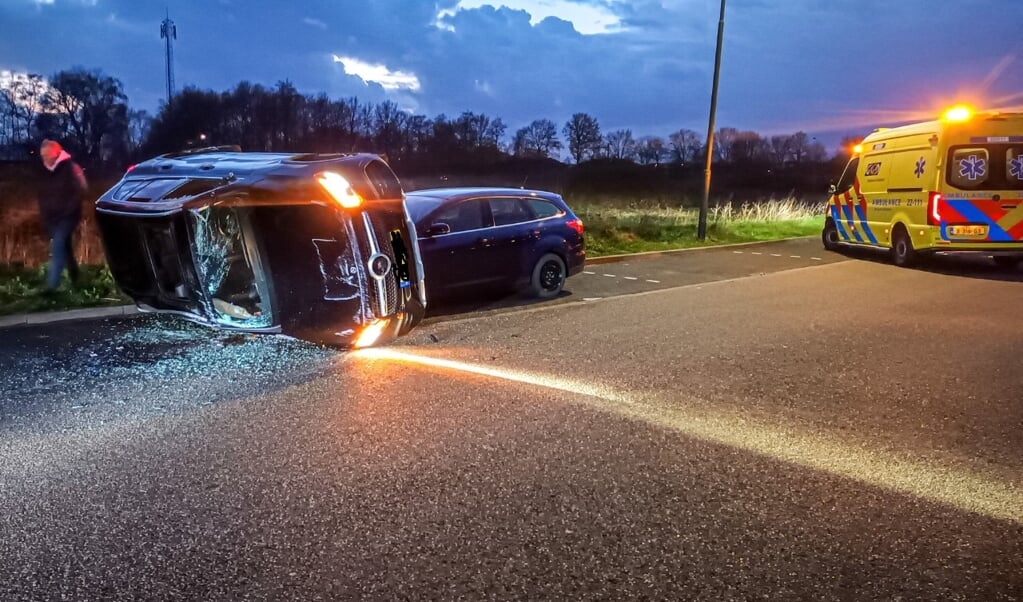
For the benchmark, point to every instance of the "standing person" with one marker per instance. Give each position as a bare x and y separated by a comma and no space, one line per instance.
60,207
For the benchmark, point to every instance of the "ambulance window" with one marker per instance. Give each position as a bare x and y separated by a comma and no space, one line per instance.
846,181
1014,166
969,167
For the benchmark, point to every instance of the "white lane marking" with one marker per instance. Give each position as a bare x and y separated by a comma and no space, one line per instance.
591,273
775,255
755,253
630,278
737,252
610,275
795,256
816,259
654,281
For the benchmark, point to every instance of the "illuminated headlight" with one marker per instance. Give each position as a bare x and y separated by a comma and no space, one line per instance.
371,334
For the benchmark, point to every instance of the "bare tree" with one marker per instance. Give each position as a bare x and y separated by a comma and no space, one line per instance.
748,147
539,138
620,145
651,149
781,149
479,131
415,135
20,103
685,145
139,125
90,109
583,134
723,140
388,125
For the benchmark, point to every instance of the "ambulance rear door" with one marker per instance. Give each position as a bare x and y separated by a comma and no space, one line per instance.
983,201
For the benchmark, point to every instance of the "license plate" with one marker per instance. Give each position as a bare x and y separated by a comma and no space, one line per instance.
967,230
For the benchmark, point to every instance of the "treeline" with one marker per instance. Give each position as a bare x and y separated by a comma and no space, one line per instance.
89,112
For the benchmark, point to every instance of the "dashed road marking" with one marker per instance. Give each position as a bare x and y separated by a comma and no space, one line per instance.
634,278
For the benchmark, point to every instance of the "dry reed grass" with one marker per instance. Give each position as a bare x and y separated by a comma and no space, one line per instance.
762,211
24,242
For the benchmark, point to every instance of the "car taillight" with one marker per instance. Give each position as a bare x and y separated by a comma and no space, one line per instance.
934,202
339,188
575,224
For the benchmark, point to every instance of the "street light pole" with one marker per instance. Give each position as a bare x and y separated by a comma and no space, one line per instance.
701,230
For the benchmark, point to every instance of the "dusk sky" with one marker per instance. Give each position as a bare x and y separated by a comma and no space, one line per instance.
828,68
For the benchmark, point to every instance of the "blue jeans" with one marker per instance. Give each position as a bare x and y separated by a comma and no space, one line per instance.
61,254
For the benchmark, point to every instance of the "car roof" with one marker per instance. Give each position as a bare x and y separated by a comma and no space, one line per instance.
468,192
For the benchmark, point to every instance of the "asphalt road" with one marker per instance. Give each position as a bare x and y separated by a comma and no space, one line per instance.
746,427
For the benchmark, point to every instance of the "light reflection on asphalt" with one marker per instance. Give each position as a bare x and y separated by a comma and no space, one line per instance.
958,486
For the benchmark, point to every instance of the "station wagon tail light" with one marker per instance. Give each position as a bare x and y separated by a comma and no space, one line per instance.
934,209
371,333
575,224
339,189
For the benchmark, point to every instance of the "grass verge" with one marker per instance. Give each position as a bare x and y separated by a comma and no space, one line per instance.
20,291
615,231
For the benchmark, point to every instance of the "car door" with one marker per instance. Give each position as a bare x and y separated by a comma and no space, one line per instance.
455,246
514,234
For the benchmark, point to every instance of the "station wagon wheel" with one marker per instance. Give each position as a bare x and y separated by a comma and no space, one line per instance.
830,235
548,277
902,252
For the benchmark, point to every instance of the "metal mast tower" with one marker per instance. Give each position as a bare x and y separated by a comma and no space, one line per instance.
169,32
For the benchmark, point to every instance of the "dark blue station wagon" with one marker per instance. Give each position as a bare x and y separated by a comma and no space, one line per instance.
505,238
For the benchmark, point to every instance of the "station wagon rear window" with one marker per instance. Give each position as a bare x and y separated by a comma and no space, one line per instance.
543,209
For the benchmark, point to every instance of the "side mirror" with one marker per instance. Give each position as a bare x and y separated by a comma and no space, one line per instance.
437,229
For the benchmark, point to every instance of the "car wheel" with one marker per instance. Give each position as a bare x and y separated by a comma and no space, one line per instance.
902,252
548,277
830,236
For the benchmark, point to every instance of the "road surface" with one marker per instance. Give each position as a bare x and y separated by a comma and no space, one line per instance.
749,427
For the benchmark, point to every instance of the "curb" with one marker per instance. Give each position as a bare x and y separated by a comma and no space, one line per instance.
614,258
73,314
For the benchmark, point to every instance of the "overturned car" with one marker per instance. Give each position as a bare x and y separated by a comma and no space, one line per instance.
315,246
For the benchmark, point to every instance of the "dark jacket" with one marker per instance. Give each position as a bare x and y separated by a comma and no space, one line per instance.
60,192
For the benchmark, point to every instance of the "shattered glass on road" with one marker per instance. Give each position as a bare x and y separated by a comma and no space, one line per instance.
121,369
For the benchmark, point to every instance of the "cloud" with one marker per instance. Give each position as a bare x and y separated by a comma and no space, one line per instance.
314,22
585,17
378,74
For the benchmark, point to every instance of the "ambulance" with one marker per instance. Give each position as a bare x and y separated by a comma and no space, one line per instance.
950,185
